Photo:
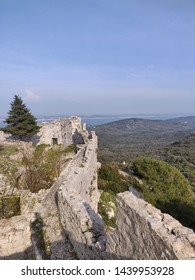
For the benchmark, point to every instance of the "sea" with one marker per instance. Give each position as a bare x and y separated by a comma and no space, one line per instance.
103,119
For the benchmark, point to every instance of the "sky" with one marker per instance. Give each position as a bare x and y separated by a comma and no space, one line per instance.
85,57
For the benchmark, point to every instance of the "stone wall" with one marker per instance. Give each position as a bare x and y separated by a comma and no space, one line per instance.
67,131
81,174
143,232
15,239
61,130
77,202
84,227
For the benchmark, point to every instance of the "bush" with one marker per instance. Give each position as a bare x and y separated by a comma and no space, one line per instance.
9,206
109,179
166,188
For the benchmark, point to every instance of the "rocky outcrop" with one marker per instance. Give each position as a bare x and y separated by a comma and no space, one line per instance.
15,241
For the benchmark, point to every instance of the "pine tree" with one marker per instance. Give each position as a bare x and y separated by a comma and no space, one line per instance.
20,121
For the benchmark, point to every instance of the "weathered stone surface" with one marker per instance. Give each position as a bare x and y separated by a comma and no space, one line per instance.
143,232
64,131
15,238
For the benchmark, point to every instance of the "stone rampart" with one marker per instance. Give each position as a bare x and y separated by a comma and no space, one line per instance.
77,202
81,174
143,232
64,131
84,227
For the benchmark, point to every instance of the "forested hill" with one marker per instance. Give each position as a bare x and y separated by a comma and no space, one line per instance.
125,139
137,124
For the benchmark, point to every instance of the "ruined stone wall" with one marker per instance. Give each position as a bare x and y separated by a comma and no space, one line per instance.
66,132
82,173
15,238
77,202
84,227
49,131
143,232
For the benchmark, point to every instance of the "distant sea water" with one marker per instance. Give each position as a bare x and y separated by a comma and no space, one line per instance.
99,120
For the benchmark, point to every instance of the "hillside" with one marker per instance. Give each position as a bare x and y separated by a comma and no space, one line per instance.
126,139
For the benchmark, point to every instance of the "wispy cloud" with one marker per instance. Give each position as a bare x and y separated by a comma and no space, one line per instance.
30,95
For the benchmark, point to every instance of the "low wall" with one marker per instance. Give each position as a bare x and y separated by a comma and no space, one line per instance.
143,232
77,199
84,227
81,174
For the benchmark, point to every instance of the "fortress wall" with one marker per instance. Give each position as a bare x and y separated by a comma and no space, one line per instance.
82,174
49,131
84,226
143,232
85,181
67,131
15,238
77,203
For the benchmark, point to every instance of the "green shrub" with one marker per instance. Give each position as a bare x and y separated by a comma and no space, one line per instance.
9,206
109,179
165,187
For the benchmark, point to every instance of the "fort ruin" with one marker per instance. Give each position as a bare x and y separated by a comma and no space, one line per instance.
68,212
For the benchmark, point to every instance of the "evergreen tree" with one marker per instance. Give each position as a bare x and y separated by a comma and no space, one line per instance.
20,121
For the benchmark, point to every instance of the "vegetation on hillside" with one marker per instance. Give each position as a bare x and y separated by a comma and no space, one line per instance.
165,187
181,154
34,168
127,139
159,183
110,183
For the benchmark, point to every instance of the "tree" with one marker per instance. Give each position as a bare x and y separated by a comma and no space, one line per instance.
20,121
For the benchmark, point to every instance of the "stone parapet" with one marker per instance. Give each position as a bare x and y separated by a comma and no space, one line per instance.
143,232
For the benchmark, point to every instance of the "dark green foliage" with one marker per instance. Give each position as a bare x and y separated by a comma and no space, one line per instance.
110,222
164,182
107,202
181,154
21,122
166,188
111,182
9,206
110,179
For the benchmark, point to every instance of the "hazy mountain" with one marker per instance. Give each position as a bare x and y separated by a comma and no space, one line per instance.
126,138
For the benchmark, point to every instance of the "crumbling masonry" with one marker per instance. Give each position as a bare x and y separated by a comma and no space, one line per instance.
74,230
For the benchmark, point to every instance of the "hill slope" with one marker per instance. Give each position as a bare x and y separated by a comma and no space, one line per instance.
125,139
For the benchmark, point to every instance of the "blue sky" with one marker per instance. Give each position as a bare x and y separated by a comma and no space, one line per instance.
98,56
